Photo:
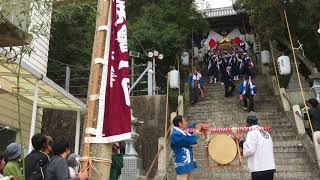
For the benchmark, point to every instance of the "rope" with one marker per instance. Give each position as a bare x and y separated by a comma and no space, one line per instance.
90,160
297,69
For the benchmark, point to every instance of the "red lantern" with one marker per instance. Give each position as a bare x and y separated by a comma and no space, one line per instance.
212,43
237,40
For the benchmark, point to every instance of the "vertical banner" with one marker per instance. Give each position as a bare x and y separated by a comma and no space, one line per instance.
117,113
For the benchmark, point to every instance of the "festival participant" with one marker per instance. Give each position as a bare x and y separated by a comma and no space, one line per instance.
314,113
247,90
223,65
213,69
39,157
258,148
228,82
2,165
57,168
181,145
234,67
246,65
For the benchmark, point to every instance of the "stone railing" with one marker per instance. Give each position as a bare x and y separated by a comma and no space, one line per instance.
294,113
165,154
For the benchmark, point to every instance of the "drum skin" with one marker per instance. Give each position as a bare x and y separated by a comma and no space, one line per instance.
222,149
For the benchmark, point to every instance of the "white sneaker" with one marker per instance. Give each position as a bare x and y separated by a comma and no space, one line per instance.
210,82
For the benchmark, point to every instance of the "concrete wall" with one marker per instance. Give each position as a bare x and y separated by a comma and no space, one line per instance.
151,110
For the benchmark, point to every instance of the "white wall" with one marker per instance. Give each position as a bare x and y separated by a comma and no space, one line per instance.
9,115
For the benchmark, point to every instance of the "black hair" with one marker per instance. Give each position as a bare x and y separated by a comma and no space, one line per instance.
252,120
60,145
177,120
38,141
246,77
313,102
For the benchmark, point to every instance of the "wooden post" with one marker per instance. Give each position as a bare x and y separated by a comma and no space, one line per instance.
98,52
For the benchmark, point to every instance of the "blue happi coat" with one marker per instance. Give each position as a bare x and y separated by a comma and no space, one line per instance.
242,88
181,146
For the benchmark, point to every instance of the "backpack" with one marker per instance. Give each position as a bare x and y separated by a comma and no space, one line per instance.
38,174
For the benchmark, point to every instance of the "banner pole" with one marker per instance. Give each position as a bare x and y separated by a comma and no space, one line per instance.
95,71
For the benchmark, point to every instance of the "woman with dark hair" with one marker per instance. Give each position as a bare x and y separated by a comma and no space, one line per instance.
2,165
314,113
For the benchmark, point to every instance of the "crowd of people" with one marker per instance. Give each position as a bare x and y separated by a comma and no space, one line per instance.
50,160
226,65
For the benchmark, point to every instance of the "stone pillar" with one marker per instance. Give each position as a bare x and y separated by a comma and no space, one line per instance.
285,103
162,158
275,86
180,105
316,84
316,137
298,119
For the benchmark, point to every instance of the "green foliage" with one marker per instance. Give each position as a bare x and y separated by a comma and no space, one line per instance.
268,21
72,33
164,25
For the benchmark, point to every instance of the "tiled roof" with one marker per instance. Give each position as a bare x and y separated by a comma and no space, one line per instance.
218,12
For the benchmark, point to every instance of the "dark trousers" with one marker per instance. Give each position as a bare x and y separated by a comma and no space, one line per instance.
245,101
227,86
263,175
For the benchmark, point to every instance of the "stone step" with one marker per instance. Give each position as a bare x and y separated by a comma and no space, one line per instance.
204,175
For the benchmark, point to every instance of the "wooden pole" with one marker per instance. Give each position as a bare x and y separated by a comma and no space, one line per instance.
98,52
297,69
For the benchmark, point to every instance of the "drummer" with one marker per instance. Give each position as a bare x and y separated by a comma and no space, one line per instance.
181,142
258,147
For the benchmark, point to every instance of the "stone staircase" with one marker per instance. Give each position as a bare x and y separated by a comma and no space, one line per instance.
292,160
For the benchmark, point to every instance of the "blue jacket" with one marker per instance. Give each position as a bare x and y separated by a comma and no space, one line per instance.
242,88
181,146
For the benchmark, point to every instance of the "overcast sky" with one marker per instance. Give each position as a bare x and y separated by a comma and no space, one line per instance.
219,3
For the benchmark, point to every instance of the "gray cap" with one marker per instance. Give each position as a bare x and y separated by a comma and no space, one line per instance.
73,160
13,151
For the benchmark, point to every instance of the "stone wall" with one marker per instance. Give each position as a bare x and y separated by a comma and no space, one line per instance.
151,110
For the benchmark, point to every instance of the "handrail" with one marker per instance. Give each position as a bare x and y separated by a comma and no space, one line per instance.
153,162
286,98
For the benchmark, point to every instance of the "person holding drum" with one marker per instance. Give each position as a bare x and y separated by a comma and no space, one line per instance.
181,142
258,148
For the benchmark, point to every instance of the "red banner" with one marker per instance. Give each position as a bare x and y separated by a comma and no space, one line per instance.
117,114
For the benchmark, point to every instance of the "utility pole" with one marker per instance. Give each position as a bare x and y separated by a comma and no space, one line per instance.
67,83
98,151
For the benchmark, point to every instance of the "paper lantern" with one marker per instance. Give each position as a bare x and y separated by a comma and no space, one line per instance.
212,43
174,79
265,57
185,58
284,65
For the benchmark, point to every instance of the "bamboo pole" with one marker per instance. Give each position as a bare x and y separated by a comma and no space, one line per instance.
297,69
98,52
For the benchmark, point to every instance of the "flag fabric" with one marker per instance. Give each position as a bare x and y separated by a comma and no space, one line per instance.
116,110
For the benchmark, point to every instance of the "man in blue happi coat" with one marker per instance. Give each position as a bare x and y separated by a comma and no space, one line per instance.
181,142
247,90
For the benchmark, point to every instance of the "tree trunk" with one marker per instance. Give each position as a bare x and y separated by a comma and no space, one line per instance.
307,62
